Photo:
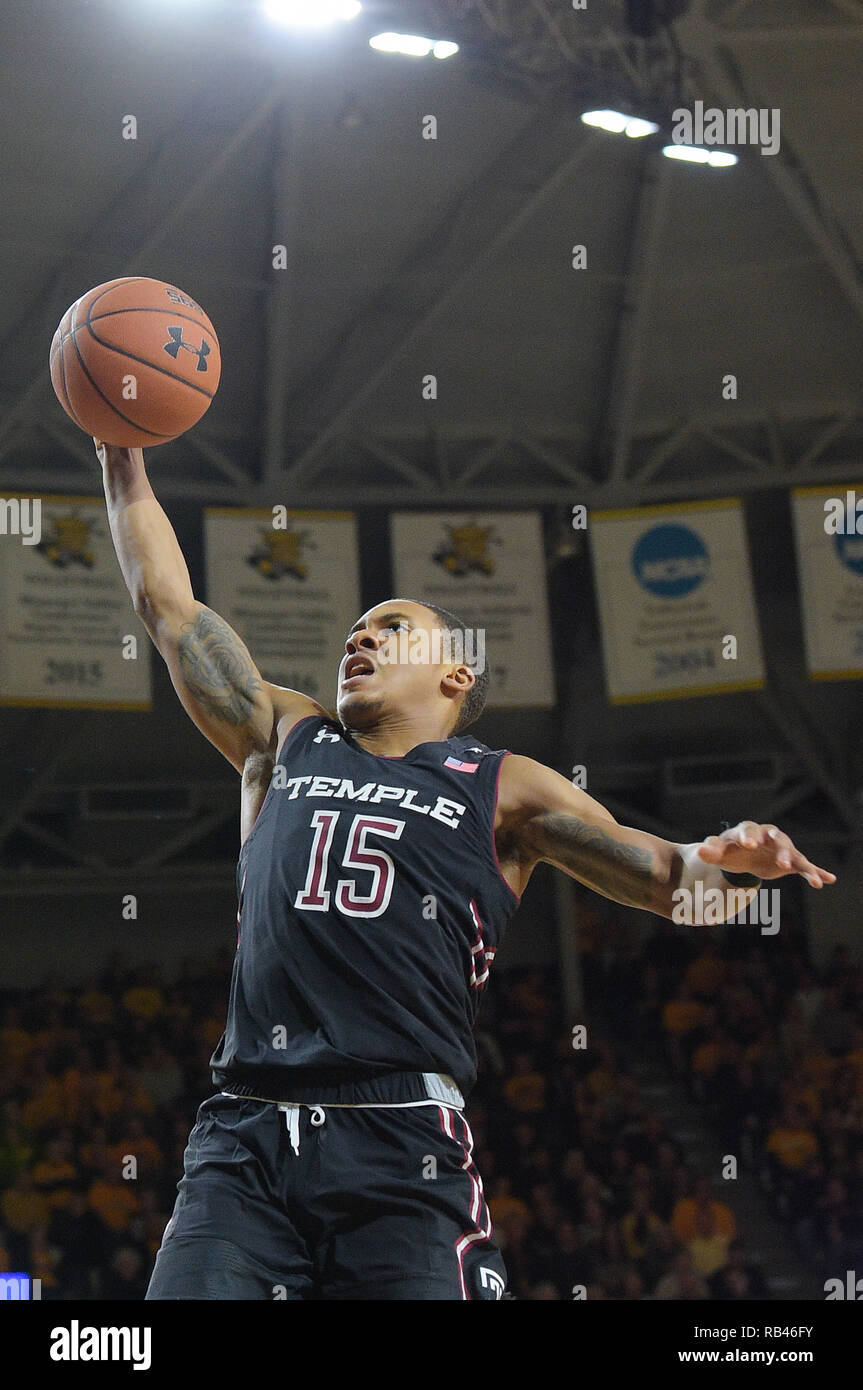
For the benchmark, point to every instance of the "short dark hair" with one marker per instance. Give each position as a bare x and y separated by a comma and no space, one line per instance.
473,703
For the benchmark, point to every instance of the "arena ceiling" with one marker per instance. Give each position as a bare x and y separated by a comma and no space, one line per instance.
451,256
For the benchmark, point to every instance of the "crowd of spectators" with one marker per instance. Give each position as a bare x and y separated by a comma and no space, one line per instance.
590,1196
773,1051
98,1091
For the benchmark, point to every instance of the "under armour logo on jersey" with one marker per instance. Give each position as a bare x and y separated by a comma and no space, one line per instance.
175,333
490,1279
325,735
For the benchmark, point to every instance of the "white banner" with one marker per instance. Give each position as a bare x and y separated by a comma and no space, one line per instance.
675,599
828,532
489,570
288,583
69,637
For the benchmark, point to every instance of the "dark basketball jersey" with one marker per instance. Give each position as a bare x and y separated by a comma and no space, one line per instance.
371,905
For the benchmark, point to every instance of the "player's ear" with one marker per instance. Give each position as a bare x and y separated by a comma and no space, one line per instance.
458,679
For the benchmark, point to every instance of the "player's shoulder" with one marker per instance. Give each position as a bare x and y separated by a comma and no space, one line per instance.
526,784
465,753
290,707
472,748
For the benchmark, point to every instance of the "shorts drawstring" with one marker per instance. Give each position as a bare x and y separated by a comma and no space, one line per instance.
292,1120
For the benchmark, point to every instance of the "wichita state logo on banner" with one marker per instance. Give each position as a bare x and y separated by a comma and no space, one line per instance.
489,570
281,553
66,540
288,582
466,549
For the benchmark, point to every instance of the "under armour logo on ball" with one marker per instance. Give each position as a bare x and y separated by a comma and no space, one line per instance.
178,341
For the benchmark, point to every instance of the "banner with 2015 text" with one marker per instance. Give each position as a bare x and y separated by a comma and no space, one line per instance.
69,637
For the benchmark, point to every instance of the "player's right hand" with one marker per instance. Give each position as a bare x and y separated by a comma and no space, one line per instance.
114,453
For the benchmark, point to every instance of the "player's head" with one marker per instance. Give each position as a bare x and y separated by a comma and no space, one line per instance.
412,658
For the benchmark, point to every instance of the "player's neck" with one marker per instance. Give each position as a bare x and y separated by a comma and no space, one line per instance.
387,740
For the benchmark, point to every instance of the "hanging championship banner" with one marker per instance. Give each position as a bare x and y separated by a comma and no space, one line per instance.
69,637
288,583
489,570
675,600
828,533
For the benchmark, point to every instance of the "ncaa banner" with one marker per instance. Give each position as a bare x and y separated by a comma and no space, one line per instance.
288,583
828,533
69,637
489,570
675,601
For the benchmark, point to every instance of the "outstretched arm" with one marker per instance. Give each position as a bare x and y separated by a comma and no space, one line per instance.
541,817
212,672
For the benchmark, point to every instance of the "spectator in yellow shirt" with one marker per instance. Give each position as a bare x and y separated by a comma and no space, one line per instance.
136,1143
791,1142
525,1089
685,1217
708,1247
509,1214
96,1007
113,1199
144,1001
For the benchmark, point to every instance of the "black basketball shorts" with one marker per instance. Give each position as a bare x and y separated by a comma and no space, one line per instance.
328,1202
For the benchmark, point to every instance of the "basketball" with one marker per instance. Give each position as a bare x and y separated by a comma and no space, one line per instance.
135,362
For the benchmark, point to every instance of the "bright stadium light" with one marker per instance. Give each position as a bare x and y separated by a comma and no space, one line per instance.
620,124
615,121
311,14
637,127
413,46
694,154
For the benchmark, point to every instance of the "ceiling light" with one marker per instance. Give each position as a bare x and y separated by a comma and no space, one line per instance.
694,154
312,13
636,127
413,46
619,123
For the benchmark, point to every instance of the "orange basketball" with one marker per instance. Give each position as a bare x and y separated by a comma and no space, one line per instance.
135,362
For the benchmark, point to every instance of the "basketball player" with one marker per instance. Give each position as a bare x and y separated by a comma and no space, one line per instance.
383,852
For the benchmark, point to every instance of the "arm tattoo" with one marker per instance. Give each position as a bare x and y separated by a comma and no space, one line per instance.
217,669
619,871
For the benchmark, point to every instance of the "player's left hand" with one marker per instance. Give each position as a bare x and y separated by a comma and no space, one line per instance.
763,850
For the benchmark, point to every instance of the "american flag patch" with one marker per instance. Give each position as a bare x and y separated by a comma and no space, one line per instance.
460,766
